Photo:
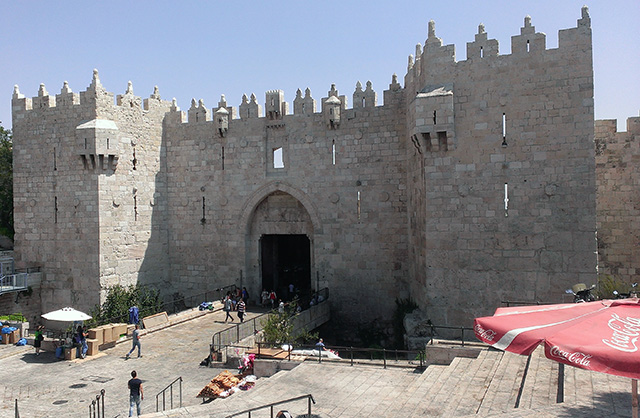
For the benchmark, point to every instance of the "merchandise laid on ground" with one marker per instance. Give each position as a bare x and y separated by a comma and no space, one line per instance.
225,384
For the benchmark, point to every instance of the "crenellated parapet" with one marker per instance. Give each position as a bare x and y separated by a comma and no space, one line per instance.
94,102
492,86
250,109
482,47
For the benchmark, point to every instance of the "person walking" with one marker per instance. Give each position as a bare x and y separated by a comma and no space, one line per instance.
228,306
242,307
135,393
135,340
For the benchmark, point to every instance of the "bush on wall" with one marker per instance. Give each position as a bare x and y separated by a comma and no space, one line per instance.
119,299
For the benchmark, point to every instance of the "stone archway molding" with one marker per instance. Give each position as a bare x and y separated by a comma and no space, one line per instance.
260,194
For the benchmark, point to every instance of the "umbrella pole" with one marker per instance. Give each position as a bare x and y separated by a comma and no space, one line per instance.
634,397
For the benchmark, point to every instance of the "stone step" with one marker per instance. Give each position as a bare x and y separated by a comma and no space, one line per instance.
469,393
541,383
438,393
503,389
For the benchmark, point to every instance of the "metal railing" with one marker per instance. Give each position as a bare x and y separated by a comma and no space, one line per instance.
96,408
461,329
240,331
509,303
308,397
249,327
174,305
14,282
413,358
163,393
6,267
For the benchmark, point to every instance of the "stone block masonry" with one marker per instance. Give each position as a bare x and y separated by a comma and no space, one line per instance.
473,183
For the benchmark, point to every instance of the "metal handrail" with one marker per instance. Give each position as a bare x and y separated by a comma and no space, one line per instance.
163,391
524,302
392,352
461,329
309,398
215,346
124,317
95,408
14,282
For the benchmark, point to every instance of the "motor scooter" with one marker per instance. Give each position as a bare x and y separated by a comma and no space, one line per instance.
633,293
581,293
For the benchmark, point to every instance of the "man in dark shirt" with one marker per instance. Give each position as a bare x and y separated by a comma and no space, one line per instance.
135,393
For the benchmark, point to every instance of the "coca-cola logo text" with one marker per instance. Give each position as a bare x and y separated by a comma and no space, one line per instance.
575,358
625,333
485,334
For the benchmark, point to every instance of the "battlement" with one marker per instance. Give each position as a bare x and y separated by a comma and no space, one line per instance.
93,98
528,43
610,126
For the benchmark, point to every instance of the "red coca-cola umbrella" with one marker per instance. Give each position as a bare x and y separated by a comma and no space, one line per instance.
602,336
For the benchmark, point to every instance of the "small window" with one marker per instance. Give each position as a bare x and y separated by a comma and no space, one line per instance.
333,152
278,158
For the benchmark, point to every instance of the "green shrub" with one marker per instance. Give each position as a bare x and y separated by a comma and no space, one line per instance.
607,284
119,299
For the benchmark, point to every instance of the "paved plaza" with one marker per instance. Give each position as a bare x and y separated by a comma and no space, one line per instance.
48,387
469,387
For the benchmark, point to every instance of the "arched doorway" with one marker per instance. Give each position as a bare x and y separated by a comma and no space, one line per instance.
280,243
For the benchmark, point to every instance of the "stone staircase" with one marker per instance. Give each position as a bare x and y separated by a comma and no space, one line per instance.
487,386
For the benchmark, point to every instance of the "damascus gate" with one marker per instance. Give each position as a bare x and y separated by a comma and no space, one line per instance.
463,183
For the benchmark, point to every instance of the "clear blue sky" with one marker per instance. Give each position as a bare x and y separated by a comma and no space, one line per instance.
202,49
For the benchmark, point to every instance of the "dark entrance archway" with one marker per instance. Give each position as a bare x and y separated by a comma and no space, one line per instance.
286,260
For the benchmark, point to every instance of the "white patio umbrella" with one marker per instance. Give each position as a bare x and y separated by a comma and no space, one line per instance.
66,315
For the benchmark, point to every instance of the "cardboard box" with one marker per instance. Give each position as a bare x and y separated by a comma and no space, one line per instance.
5,338
14,337
96,334
93,347
70,353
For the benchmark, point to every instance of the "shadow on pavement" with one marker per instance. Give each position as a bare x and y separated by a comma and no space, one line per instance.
43,358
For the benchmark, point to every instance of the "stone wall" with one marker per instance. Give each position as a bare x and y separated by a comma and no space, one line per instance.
473,183
617,159
504,185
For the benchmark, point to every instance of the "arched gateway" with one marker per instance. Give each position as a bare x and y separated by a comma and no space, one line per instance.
280,240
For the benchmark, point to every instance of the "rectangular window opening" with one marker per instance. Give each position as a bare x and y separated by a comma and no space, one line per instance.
55,163
107,143
434,117
358,206
55,203
481,52
278,158
223,158
527,45
442,141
